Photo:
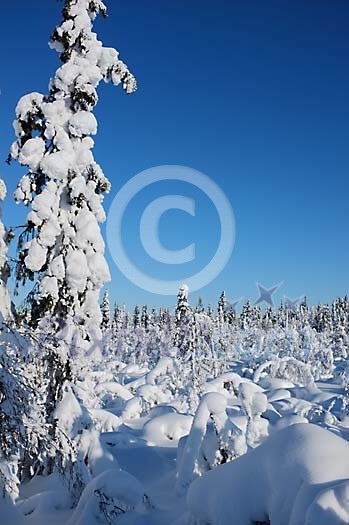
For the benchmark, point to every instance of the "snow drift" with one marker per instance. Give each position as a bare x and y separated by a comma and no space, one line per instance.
299,476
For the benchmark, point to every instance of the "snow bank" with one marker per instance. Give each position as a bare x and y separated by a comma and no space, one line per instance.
9,514
110,494
299,476
167,429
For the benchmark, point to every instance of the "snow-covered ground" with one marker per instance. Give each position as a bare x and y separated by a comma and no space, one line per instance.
297,474
259,434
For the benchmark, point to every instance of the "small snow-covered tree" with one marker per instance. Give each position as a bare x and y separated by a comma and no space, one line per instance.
268,318
117,322
105,310
213,440
186,342
64,186
199,308
254,404
222,308
136,317
14,398
184,321
245,316
145,317
31,439
322,319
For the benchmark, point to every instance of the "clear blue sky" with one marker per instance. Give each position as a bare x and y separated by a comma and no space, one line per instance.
253,93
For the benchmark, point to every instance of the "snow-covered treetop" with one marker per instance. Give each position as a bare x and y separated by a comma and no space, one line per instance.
183,291
74,37
183,308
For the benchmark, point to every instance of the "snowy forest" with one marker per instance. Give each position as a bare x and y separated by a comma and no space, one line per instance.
191,415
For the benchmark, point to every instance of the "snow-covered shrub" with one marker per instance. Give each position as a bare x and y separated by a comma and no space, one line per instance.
31,438
341,374
254,404
14,409
286,368
213,439
167,429
105,310
107,497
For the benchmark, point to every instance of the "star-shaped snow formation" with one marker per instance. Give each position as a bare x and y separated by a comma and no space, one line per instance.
265,294
292,304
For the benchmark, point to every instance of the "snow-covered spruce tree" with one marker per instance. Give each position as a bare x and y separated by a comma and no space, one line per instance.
145,318
5,303
186,342
116,325
62,244
184,321
136,317
245,316
105,310
210,311
222,308
199,308
221,322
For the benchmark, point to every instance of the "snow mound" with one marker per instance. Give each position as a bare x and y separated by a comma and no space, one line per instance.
299,476
110,494
9,514
166,430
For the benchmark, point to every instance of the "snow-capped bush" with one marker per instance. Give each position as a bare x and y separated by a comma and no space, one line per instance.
213,439
107,497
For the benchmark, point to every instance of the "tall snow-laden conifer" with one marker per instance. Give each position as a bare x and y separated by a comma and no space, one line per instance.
5,303
62,244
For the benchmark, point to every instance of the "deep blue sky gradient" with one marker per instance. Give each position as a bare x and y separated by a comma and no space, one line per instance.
253,93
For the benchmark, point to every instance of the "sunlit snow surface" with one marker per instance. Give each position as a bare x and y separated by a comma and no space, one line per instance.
149,457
